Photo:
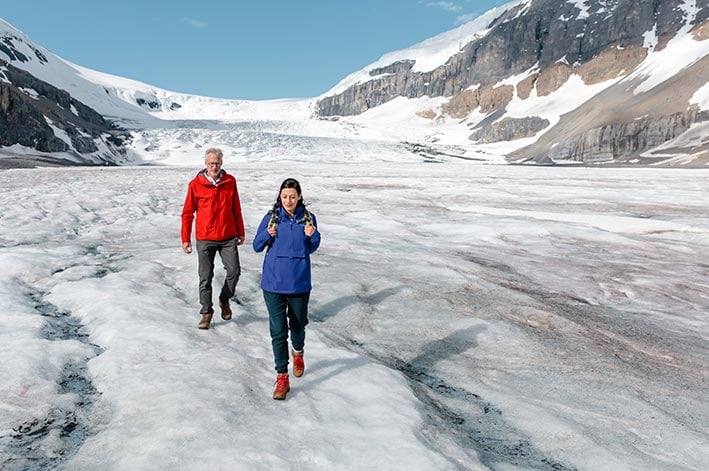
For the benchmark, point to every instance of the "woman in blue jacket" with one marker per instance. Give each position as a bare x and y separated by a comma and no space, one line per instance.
289,233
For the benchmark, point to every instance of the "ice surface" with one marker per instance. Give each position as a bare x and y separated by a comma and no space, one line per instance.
464,316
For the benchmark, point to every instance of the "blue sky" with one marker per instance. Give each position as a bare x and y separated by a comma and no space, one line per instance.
235,49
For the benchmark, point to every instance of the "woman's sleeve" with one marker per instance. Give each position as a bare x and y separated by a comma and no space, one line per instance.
315,238
262,237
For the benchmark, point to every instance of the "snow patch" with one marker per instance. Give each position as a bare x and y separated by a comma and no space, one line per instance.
701,97
58,132
581,5
681,52
31,92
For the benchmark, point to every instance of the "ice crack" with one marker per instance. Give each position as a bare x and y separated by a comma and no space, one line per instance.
47,442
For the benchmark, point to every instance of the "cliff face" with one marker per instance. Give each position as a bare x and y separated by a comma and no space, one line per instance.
618,126
622,142
546,42
39,116
538,33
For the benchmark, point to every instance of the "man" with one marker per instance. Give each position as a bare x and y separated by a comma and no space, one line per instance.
214,196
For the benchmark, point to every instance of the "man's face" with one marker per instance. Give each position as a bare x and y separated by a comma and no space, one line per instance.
213,164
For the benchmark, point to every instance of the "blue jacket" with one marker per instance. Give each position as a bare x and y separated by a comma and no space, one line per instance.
286,267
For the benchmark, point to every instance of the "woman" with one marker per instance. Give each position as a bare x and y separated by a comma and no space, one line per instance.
289,233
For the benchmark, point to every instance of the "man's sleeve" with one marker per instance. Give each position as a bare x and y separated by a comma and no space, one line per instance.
188,210
236,208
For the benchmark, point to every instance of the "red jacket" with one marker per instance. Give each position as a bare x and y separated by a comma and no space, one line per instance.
218,209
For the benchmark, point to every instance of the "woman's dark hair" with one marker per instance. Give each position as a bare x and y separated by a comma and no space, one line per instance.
289,183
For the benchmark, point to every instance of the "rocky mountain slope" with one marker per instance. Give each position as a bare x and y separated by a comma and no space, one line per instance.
39,116
44,115
527,51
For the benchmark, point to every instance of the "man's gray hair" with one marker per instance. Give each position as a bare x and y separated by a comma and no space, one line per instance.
214,150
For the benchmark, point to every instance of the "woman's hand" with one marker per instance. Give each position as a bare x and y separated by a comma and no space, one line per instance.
309,230
272,231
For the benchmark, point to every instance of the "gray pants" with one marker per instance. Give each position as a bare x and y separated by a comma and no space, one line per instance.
206,250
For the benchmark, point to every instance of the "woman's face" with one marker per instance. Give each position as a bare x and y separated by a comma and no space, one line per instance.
289,199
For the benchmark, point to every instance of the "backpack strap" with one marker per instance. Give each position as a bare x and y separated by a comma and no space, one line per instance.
272,222
308,218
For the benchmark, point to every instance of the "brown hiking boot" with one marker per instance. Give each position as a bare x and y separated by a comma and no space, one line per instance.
298,363
226,309
282,386
205,321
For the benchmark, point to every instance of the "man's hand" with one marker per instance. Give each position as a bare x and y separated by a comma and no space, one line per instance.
187,247
240,240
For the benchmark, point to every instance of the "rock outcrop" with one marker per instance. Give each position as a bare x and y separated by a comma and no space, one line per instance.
39,116
622,141
509,129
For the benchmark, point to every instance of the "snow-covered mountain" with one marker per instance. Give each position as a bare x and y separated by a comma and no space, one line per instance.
34,114
124,103
130,103
544,80
537,81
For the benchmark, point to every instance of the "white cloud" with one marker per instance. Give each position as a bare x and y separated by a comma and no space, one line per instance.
195,23
448,6
465,18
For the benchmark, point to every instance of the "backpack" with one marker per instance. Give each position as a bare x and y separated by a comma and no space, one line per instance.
275,216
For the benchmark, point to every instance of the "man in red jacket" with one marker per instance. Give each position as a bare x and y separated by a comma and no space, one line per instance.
214,196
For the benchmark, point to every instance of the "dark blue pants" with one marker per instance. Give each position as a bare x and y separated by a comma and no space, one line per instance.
286,312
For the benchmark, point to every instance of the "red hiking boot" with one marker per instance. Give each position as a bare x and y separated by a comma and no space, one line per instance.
298,363
282,386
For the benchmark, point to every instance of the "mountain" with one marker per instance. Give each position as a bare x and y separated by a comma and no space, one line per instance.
40,116
130,103
55,112
613,81
119,100
608,82
44,115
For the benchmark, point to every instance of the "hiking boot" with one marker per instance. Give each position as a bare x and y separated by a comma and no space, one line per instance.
282,386
298,363
205,321
226,309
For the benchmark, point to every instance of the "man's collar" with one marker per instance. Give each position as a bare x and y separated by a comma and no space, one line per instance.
212,180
